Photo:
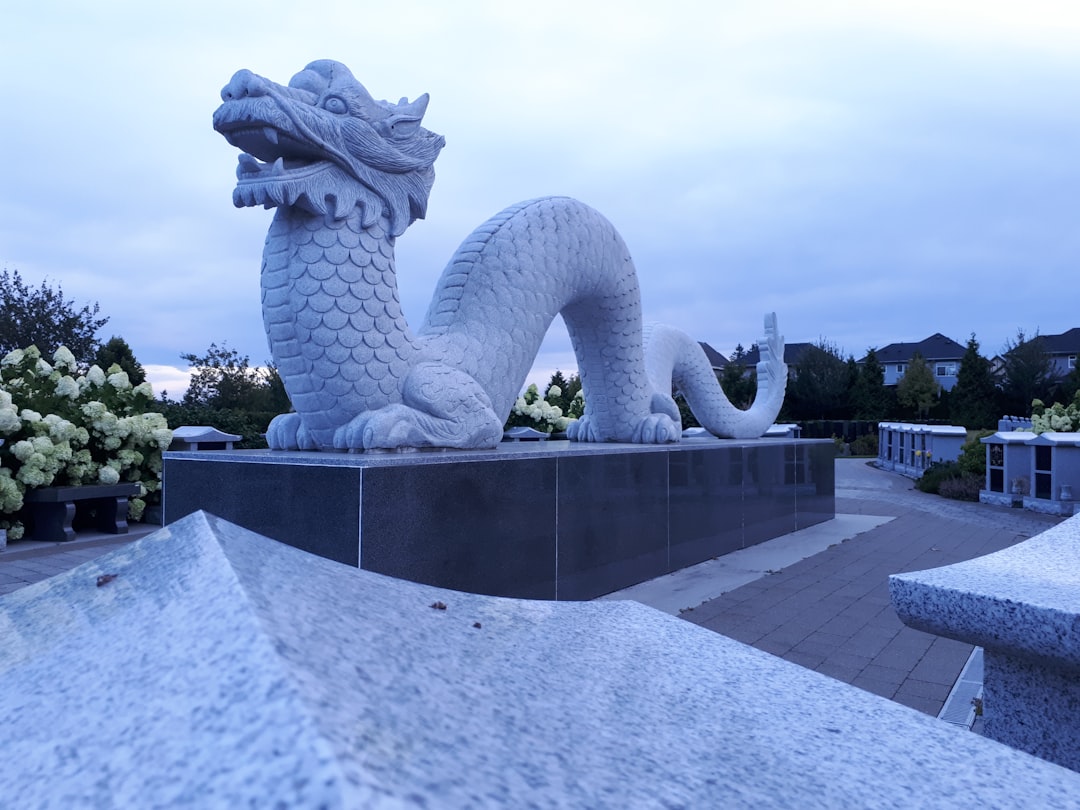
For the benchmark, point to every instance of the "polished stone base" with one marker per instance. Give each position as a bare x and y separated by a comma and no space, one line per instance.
550,520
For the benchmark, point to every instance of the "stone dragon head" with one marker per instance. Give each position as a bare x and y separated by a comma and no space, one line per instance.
325,145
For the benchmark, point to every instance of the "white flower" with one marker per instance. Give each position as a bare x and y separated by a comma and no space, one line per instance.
107,475
145,389
63,359
30,416
95,376
12,358
31,476
9,421
554,391
67,387
43,368
119,380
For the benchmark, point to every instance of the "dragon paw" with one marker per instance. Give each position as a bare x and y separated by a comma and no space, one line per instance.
287,432
397,426
653,428
443,407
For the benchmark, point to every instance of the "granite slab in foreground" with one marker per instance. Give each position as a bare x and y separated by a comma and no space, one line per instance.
206,666
1021,604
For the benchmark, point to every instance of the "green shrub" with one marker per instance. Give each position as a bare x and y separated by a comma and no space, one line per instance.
942,471
964,488
949,479
865,445
972,458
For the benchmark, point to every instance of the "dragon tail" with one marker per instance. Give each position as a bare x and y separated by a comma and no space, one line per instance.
673,358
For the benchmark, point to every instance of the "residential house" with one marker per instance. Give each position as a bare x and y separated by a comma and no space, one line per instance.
1063,350
942,355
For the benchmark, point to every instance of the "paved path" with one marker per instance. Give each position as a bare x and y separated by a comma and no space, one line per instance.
831,612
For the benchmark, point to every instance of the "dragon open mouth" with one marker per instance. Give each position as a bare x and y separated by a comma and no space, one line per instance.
268,143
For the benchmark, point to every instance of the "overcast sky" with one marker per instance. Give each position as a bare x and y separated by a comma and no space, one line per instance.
872,172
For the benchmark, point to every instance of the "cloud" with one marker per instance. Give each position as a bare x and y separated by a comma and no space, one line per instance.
872,172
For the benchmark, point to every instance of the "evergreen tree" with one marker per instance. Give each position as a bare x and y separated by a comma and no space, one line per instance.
918,389
568,388
818,389
869,398
738,383
975,396
117,351
1027,373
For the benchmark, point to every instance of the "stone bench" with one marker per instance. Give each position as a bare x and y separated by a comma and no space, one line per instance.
1022,605
52,514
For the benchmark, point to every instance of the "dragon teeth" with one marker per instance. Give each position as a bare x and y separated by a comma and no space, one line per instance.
278,167
271,135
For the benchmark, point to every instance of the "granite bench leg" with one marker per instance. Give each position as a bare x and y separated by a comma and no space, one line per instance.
52,521
107,515
57,521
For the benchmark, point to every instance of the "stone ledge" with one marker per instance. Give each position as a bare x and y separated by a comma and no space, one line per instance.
1024,600
257,674
1022,605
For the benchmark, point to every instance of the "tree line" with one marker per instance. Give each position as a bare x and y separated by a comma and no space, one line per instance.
824,385
227,391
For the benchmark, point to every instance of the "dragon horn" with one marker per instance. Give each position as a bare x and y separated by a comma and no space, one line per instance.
415,110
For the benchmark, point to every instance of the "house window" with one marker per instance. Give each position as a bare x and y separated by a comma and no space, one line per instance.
946,369
1072,361
900,368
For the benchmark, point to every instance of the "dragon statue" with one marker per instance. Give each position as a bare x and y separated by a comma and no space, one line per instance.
347,175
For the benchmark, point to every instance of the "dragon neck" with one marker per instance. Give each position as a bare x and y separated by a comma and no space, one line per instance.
330,292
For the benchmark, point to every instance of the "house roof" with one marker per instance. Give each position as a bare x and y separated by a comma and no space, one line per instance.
716,360
935,347
1065,343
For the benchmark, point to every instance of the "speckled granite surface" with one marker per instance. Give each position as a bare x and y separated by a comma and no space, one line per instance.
1022,605
220,669
1024,600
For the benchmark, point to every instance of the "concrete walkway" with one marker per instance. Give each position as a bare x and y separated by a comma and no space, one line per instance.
818,598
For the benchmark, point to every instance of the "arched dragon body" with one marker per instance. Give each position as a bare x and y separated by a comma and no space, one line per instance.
347,175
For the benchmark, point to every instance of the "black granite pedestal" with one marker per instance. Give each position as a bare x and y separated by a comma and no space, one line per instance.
548,520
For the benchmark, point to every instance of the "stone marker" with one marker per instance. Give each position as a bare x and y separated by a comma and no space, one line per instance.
206,666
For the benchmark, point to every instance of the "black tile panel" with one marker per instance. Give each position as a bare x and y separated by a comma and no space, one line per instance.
706,504
314,508
482,527
612,522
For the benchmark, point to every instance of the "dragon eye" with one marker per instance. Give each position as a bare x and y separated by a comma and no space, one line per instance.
336,105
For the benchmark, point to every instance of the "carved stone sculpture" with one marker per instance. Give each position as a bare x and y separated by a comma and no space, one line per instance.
348,174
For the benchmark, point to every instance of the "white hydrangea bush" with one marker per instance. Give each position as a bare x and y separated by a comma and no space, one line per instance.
1057,418
532,410
62,427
